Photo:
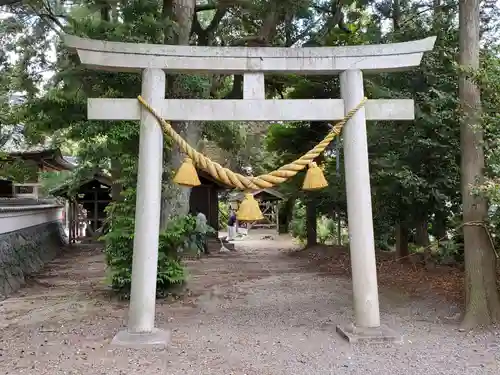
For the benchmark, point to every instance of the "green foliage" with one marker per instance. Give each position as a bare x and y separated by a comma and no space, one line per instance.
326,230
182,236
17,170
297,225
450,250
223,214
326,227
176,239
53,179
415,171
414,166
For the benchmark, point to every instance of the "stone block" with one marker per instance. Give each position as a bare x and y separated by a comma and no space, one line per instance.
378,335
156,338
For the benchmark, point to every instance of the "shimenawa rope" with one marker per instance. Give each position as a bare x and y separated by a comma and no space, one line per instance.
239,181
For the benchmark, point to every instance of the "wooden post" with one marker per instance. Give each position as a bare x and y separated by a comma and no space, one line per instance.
277,217
70,221
96,213
75,220
339,229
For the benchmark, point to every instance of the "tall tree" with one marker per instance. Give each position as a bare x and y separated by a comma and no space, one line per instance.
481,294
175,199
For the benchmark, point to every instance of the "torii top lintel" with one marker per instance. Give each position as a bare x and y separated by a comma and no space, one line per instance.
126,57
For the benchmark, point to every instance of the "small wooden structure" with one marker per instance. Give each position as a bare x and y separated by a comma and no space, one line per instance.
205,198
268,202
87,203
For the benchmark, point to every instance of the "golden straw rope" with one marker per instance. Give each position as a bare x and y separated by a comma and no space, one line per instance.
239,181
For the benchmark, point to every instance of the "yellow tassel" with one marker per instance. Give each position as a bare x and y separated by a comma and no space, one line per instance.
249,209
315,179
186,175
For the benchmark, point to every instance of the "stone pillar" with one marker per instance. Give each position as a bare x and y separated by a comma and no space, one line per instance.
359,205
141,317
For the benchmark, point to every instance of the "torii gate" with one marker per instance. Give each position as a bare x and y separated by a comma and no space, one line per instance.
153,60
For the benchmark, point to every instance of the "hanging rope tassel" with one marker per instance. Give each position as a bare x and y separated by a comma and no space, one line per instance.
187,175
249,209
315,179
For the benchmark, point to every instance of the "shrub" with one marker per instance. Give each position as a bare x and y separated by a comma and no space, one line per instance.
223,215
297,226
326,227
326,230
179,237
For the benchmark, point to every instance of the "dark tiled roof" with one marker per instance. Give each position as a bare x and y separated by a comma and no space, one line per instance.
102,178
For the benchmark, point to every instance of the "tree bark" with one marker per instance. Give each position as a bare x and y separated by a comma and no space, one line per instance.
107,12
402,249
481,294
396,15
339,228
436,18
175,199
422,233
439,226
311,222
116,187
286,215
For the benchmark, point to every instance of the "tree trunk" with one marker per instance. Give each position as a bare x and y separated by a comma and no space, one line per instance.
339,229
107,12
439,226
402,249
436,18
116,187
422,233
481,294
286,215
311,222
175,199
396,15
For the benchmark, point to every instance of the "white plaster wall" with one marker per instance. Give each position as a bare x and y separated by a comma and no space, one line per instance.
23,217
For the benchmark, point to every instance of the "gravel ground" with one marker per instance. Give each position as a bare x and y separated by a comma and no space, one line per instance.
256,312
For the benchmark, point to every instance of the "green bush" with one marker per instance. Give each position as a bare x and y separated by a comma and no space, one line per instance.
326,230
179,237
297,226
223,215
450,249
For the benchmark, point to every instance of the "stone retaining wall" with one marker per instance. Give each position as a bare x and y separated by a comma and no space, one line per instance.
25,251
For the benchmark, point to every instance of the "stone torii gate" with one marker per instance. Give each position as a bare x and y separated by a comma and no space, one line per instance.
153,60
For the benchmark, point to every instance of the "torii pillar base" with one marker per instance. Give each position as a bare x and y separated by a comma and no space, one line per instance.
376,335
157,338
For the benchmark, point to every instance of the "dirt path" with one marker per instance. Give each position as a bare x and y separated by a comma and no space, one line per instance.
259,311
